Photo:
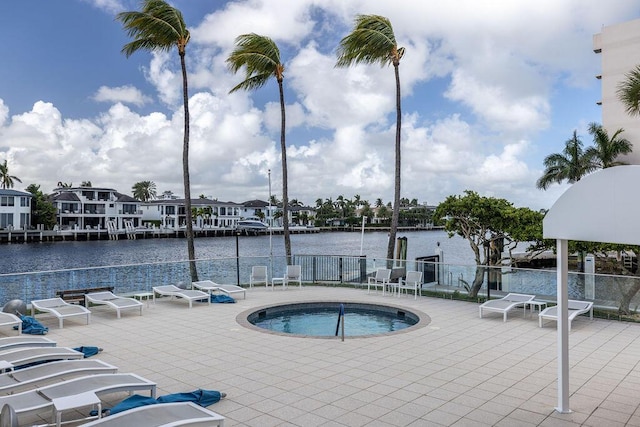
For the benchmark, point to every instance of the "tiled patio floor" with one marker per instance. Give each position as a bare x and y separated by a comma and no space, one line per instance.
457,371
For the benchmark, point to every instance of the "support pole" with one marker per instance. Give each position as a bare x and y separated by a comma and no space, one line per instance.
563,327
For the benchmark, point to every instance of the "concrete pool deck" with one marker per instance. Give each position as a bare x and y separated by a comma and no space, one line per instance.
459,370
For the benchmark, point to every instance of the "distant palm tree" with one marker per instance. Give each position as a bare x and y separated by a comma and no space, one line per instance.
605,152
570,165
629,91
144,190
260,57
373,41
160,27
6,179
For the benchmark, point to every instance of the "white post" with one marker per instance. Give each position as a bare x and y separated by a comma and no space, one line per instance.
563,327
270,230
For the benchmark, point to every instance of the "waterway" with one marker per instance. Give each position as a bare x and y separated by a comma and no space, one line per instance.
16,258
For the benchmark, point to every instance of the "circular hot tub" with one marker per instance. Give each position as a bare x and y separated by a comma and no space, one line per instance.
321,319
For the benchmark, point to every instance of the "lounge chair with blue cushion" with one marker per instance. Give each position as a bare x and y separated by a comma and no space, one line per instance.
189,295
113,301
162,414
506,303
59,308
574,307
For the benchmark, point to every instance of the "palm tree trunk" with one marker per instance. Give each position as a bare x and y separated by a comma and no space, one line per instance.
191,251
285,189
395,218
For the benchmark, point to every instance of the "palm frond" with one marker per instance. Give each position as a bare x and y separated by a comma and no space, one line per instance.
628,91
259,56
371,41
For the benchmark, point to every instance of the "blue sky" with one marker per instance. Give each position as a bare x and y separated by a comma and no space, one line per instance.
489,89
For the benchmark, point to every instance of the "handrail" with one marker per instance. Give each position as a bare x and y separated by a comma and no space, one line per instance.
340,317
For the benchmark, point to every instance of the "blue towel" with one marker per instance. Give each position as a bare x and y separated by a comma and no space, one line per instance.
200,397
88,351
222,299
32,326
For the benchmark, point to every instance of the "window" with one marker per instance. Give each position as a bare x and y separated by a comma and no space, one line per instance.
7,201
6,219
171,210
25,220
24,201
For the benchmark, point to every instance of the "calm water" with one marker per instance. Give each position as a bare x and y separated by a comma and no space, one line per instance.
16,258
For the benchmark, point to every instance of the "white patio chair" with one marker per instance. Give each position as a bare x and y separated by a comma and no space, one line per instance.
258,275
8,319
380,280
574,308
413,282
506,303
59,308
210,287
189,295
113,301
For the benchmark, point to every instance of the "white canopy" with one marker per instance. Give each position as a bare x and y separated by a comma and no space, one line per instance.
601,207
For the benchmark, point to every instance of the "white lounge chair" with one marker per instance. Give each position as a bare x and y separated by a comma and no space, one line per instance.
26,355
574,307
258,275
11,320
162,414
380,280
189,295
210,287
59,308
413,282
47,373
114,301
73,394
10,343
506,303
292,274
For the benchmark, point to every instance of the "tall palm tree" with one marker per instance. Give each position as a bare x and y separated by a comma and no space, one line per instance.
260,57
373,41
629,91
160,27
605,152
570,165
6,179
144,190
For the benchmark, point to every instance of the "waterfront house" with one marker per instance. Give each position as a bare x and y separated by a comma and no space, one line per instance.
92,208
207,213
15,209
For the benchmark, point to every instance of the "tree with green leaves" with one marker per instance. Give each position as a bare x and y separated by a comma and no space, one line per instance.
488,224
260,57
144,190
606,150
6,179
628,91
570,165
42,210
373,41
161,27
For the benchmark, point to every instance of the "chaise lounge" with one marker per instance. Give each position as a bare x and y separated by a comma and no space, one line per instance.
574,307
506,303
165,414
10,343
8,319
18,357
114,301
59,308
210,287
189,295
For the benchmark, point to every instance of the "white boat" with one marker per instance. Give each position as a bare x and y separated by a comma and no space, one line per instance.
251,225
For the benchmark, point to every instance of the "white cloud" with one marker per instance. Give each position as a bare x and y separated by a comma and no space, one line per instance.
127,94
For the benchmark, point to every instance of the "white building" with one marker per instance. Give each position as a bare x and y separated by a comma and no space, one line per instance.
92,208
170,213
618,46
15,209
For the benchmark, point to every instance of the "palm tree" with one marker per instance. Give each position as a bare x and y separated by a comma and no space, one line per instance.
144,190
373,41
6,180
606,150
160,27
260,57
629,91
570,165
